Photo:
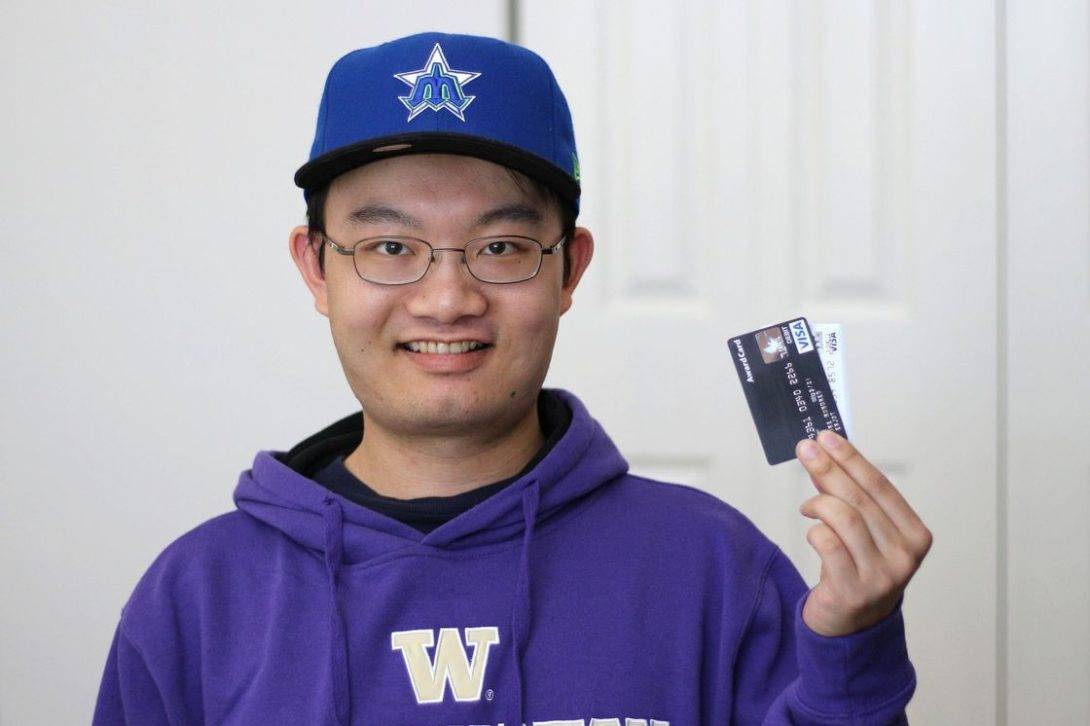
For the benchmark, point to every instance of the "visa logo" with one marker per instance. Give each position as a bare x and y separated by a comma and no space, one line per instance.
802,336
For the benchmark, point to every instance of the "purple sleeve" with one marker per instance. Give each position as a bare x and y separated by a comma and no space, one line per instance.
788,674
128,694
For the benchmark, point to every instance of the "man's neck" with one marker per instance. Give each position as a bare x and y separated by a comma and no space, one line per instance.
441,467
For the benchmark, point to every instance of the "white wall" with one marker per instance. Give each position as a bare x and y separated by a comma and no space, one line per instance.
927,162
1045,248
156,332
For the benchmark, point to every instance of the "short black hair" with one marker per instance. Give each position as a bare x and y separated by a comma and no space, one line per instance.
542,193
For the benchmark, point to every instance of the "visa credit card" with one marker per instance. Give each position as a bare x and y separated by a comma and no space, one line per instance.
786,386
829,341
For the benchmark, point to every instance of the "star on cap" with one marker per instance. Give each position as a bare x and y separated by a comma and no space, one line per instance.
436,80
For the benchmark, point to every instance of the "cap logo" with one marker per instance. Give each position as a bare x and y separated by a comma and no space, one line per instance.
436,86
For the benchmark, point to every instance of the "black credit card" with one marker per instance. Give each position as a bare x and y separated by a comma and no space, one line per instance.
785,386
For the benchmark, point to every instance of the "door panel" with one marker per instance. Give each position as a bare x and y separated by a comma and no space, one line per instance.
746,162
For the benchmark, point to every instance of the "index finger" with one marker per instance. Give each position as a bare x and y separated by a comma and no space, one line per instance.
874,482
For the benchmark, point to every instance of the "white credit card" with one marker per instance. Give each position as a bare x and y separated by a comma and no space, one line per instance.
829,341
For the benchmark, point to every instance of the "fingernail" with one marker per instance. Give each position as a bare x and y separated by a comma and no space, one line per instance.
808,450
829,439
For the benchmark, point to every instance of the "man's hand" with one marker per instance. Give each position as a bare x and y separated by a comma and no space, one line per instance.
870,541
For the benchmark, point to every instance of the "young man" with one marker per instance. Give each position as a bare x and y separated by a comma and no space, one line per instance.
469,548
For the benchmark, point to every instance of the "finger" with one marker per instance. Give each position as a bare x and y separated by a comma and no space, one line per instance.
850,527
878,486
835,558
830,478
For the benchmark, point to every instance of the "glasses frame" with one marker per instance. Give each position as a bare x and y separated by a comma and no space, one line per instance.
351,251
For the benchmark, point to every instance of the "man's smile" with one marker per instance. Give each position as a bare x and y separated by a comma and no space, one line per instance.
441,347
440,357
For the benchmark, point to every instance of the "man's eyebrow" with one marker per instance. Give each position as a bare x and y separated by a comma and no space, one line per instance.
510,213
378,213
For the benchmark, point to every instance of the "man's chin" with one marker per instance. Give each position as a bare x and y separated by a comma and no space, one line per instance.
458,408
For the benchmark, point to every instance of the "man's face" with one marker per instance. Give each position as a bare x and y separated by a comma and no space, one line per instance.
439,198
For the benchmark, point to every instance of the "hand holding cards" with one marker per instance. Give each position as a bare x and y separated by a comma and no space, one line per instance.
869,539
783,376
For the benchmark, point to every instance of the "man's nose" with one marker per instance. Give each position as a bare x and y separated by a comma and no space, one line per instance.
447,291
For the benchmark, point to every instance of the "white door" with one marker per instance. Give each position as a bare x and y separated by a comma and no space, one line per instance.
747,162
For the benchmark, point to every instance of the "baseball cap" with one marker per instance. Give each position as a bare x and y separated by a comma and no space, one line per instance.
444,93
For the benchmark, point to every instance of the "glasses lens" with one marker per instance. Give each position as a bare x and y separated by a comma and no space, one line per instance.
391,260
503,259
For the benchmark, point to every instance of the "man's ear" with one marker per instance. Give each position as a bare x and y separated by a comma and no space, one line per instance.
304,251
580,250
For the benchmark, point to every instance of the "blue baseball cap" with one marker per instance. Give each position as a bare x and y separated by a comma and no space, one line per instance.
444,93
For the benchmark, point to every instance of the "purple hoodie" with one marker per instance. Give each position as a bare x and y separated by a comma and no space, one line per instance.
579,595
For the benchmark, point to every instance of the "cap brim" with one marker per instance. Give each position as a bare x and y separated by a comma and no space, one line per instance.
323,169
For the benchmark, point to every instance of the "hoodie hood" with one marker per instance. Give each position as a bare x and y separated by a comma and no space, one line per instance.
347,533
581,461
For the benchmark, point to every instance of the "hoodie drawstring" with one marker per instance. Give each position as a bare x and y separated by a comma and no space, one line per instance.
333,518
520,609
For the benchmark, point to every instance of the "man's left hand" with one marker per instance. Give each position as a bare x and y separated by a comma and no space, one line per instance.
870,540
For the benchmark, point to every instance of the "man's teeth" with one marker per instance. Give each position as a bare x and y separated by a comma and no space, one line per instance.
430,346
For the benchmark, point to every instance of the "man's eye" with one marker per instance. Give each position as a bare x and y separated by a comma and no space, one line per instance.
388,248
503,248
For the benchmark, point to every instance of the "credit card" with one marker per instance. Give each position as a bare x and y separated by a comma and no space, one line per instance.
829,341
785,385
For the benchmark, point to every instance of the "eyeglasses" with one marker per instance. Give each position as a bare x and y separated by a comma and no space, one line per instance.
398,260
